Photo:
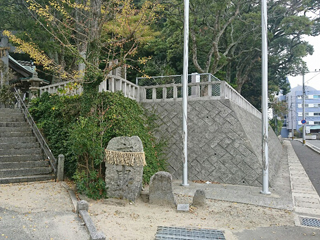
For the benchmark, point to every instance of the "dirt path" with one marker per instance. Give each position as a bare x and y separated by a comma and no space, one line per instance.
140,220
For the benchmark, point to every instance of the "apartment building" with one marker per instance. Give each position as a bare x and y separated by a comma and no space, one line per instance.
295,110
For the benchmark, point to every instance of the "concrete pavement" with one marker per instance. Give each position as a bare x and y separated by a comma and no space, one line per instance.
41,210
291,190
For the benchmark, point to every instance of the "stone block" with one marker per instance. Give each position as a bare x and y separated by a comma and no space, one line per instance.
160,189
60,170
183,208
82,205
199,198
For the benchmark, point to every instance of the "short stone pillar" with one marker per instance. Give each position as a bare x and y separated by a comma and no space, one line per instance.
124,167
60,170
82,205
160,189
199,198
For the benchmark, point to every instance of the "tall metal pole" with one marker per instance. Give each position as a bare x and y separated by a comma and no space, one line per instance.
303,109
185,93
292,120
265,134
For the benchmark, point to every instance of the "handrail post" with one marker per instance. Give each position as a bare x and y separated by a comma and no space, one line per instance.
60,168
175,92
222,90
143,94
154,93
210,89
164,93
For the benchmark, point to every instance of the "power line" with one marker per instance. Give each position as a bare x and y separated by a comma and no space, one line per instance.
312,77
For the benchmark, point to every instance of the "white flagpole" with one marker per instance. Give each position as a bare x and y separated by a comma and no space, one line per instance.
185,93
265,153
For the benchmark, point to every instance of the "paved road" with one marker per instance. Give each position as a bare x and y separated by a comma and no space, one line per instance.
314,142
280,233
310,160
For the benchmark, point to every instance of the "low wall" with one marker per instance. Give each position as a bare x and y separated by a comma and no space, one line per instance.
224,141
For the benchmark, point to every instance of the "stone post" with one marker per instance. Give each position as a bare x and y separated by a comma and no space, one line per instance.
60,170
160,189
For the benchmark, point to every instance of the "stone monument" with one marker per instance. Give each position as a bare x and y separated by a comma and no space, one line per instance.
160,189
124,167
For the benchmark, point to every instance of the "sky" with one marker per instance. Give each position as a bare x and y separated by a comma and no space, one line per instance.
313,63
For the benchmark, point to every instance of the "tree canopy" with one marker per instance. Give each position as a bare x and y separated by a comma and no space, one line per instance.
83,38
79,38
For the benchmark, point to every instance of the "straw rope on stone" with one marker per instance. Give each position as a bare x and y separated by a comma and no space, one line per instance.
125,158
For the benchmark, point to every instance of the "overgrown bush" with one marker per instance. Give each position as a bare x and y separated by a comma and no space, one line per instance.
54,116
80,127
6,96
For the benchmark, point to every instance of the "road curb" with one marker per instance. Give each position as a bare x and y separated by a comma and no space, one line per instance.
309,145
82,210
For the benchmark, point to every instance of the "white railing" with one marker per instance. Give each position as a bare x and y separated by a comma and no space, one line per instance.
66,87
229,92
112,83
196,91
167,92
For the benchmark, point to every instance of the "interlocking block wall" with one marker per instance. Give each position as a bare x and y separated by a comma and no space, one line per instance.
224,141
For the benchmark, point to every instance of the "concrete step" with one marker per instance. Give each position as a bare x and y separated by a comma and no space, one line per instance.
22,151
22,158
14,124
15,134
11,114
19,145
5,173
15,129
18,165
9,110
34,178
18,139
12,118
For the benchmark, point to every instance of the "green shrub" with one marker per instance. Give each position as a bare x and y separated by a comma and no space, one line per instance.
80,127
54,116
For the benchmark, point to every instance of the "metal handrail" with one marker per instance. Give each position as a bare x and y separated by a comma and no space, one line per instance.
44,146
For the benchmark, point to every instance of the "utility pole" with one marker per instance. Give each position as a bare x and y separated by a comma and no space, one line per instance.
185,93
264,105
303,110
292,120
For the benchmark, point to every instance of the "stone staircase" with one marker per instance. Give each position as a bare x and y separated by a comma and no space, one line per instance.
21,157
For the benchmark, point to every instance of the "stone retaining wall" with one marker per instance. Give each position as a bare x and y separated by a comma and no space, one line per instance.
224,141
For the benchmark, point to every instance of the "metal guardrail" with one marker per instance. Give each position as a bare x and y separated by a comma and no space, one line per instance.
44,146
